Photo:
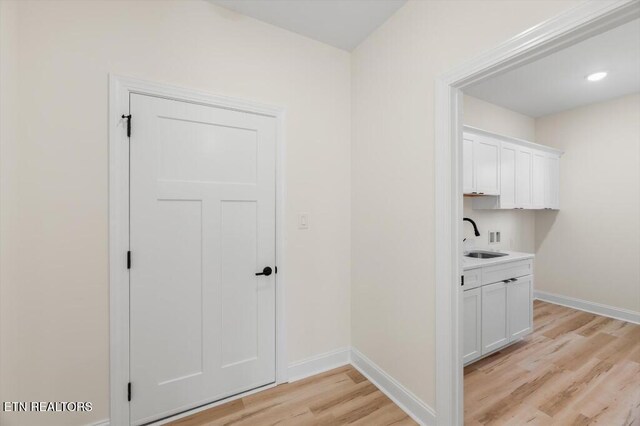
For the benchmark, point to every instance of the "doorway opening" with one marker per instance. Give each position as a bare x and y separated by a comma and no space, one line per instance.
580,23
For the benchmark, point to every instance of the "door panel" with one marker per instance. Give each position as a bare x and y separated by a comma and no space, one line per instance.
486,153
494,317
202,324
539,180
468,183
508,176
523,180
472,330
520,303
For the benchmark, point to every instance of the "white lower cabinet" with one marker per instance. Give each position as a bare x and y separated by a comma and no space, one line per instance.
496,314
472,333
495,331
519,307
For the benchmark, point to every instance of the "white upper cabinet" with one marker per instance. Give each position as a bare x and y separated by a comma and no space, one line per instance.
468,183
481,165
516,173
539,172
487,158
524,166
508,159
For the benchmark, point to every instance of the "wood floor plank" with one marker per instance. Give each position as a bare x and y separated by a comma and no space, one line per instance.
338,397
575,369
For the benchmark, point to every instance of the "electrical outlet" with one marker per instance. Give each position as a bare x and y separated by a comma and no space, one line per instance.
497,236
492,237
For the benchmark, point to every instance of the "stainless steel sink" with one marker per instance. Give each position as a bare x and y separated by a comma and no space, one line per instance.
481,254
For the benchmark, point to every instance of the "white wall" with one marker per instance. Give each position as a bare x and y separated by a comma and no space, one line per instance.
393,247
590,248
517,228
55,290
8,172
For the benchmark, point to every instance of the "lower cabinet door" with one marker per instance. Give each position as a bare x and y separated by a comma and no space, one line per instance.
495,331
520,307
472,331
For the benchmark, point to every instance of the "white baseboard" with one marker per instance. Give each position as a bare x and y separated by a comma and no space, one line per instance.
318,364
101,423
401,396
591,307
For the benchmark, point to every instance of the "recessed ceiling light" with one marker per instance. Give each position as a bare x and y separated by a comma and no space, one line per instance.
597,76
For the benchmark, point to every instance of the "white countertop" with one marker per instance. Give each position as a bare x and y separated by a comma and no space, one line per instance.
471,262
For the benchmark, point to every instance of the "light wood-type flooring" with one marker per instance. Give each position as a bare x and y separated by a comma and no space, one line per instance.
338,397
576,368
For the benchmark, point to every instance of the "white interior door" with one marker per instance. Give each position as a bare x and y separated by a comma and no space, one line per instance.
202,324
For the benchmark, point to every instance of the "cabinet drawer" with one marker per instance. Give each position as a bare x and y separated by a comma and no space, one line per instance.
505,271
472,278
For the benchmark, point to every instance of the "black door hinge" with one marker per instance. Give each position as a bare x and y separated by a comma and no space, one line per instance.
462,280
129,391
128,260
128,118
276,269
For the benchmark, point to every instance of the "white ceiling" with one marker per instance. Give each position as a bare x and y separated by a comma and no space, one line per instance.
557,82
340,23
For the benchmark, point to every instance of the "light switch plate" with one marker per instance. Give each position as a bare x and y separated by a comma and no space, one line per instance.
303,220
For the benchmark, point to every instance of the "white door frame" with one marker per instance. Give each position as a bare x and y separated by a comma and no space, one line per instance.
119,90
578,23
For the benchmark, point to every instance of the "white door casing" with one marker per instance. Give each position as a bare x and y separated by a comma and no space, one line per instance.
121,88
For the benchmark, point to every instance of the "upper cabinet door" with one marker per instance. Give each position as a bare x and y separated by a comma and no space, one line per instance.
524,169
486,153
552,182
468,176
508,155
540,187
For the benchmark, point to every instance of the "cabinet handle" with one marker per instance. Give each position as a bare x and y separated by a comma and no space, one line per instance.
513,280
506,281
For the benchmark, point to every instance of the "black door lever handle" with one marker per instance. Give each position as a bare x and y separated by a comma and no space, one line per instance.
266,271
